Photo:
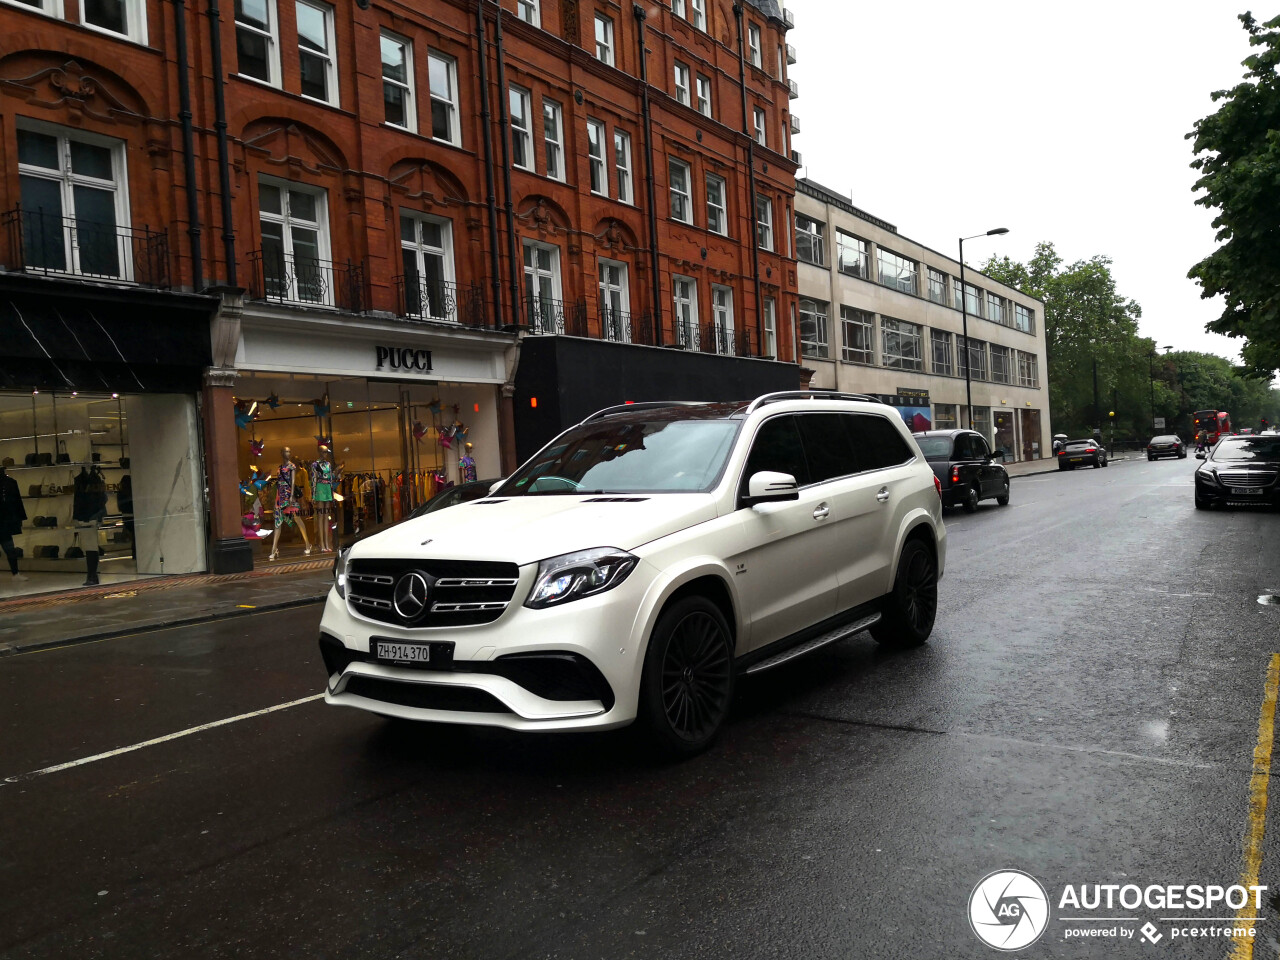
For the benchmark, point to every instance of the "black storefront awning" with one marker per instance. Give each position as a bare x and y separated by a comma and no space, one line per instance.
65,335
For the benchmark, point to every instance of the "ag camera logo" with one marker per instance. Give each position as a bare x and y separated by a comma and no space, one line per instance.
1008,910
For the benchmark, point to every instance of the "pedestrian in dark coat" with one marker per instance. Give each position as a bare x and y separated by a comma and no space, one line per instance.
12,513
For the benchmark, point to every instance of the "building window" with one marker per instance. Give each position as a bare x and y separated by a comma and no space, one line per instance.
521,148
810,245
73,211
945,416
851,254
604,39
717,221
397,82
1024,319
678,8
762,136
683,94
981,422
622,164
544,312
699,10
125,17
958,294
858,333
722,318
1028,375
770,327
973,357
937,286
685,295
681,201
900,346
781,64
595,156
972,300
615,301
814,341
753,46
527,10
764,222
896,271
52,8
295,242
442,72
995,308
426,251
704,95
257,50
553,138
316,64
1001,364
943,352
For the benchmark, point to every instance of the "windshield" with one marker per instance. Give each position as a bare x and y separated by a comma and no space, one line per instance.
663,456
935,448
1257,449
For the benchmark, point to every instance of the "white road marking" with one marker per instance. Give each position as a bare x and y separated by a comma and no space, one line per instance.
165,739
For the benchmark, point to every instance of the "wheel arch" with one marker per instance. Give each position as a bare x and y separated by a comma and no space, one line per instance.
704,577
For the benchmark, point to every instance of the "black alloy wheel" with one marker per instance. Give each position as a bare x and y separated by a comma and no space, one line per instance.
970,501
910,608
688,676
1003,499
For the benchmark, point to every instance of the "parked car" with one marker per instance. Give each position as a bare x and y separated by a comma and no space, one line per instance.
1168,445
966,469
639,564
460,493
1082,453
1239,470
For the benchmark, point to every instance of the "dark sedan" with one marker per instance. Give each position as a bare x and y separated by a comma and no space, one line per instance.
1082,453
1166,446
965,467
1239,470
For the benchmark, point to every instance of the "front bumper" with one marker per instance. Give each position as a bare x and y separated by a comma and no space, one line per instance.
1216,493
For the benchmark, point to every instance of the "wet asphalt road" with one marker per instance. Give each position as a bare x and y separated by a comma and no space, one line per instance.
1086,711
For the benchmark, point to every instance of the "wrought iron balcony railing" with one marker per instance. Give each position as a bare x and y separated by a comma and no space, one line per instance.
309,281
717,338
543,315
685,334
421,299
615,324
43,242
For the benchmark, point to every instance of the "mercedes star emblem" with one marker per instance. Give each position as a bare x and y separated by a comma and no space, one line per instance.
410,596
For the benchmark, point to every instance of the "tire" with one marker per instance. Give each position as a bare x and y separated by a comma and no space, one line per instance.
1202,504
910,607
1062,466
1151,459
687,683
1104,463
970,501
1003,499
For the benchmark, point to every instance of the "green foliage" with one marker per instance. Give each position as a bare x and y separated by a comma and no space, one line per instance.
1240,178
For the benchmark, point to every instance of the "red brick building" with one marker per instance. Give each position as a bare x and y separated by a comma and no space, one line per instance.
361,207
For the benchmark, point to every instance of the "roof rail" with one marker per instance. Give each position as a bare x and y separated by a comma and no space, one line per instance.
641,405
814,394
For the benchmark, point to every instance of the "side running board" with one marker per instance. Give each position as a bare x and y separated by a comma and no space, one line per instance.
800,649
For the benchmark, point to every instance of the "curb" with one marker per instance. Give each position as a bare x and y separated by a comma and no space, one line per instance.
13,649
1054,469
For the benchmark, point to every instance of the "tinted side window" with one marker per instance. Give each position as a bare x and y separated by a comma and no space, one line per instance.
978,445
777,447
879,443
828,445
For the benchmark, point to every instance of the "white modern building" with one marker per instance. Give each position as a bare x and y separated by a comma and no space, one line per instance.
880,314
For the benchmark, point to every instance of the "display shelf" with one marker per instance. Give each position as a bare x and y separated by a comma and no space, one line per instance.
112,464
50,496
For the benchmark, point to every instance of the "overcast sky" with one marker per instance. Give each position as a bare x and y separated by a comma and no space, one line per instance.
1062,122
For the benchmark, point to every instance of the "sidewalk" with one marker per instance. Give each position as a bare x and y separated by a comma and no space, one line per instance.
1049,465
95,613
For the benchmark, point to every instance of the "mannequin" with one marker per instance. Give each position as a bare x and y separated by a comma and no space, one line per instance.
325,476
288,495
88,509
12,513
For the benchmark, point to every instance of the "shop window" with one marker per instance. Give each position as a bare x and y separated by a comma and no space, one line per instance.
521,146
258,40
685,296
74,214
982,422
945,416
127,18
615,301
722,318
397,82
442,73
553,138
622,164
294,259
596,158
544,310
426,250
317,65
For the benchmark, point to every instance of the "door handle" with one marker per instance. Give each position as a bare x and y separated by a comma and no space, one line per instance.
883,494
821,512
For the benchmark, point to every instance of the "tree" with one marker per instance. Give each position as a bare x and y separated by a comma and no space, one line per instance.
1240,178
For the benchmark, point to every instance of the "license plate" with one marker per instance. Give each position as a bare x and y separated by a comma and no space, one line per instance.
1246,492
402,652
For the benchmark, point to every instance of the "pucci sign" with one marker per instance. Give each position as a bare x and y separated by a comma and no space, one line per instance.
403,358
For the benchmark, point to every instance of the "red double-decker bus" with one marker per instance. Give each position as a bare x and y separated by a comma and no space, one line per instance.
1212,423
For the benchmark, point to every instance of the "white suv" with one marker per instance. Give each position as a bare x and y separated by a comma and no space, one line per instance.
640,563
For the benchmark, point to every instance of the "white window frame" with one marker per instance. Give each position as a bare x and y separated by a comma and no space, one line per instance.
1024,318
553,147
50,8
135,20
995,308
617,329
946,416
530,11
686,194
817,240
286,221
546,316
936,276
684,92
937,337
722,318
895,358
329,55
770,346
622,166
1028,372
449,98
272,37
755,52
891,265
704,94
764,227
851,260
1008,373
678,7
761,122
854,319
684,318
422,250
818,346
407,87
599,179
699,10
718,211
604,39
525,133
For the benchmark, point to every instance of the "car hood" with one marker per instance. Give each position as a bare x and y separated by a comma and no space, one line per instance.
531,528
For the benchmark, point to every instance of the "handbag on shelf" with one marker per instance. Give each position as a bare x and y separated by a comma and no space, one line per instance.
30,460
47,551
64,458
44,521
34,490
97,457
73,553
44,460
124,463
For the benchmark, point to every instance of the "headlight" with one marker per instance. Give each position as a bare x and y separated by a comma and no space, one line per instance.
576,575
340,571
1204,473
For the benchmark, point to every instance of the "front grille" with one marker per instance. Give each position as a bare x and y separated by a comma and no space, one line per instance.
1246,478
426,696
459,592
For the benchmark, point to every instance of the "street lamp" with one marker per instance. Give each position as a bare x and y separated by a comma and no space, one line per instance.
964,319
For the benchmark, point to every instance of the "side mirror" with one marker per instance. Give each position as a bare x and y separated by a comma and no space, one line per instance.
769,487
1200,455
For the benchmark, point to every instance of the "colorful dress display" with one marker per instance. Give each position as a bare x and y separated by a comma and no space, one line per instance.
324,481
287,493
